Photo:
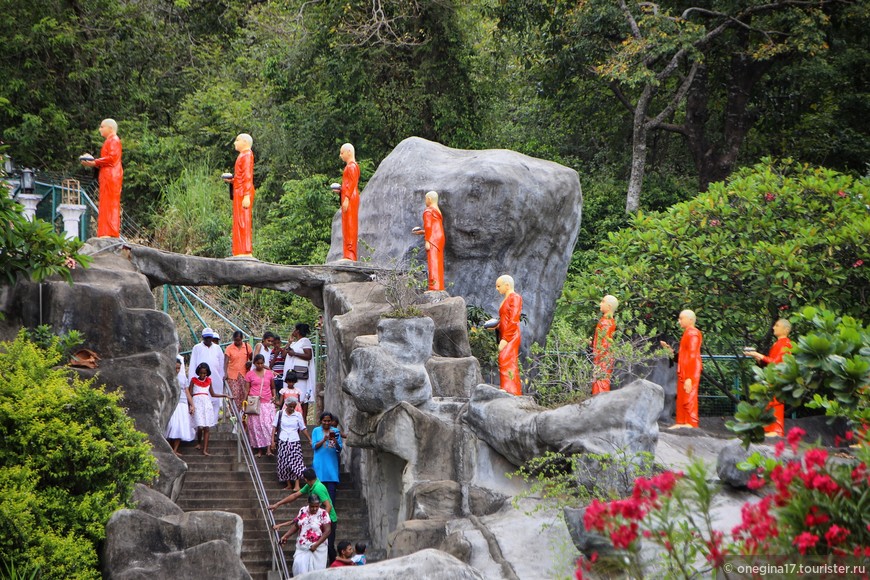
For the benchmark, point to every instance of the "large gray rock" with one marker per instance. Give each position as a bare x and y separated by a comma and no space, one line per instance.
504,213
394,370
730,456
621,421
188,546
429,564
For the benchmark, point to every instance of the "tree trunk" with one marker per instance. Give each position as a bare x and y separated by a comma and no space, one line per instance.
640,131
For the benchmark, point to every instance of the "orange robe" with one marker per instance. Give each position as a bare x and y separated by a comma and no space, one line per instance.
601,353
433,230
509,330
111,177
688,367
350,217
243,184
777,351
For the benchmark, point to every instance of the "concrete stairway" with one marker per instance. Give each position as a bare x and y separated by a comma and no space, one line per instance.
214,483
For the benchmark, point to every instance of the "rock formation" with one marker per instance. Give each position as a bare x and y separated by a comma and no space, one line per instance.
504,213
428,564
158,540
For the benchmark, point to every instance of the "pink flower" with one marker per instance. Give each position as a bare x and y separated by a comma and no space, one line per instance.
858,263
836,535
824,484
714,223
794,437
805,541
717,552
769,196
778,449
841,193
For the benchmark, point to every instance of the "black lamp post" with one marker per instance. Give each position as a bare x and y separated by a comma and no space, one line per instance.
27,181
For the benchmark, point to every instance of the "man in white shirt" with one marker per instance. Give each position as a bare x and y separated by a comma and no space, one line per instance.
210,353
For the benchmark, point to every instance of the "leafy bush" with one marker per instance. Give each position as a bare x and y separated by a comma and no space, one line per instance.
563,372
195,215
741,255
828,368
69,458
34,248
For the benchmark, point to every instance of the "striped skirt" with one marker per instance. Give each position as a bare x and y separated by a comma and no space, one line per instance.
290,464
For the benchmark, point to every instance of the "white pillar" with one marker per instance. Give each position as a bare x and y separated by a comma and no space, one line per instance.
72,217
29,201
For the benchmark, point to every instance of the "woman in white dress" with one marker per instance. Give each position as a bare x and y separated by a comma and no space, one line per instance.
300,355
180,427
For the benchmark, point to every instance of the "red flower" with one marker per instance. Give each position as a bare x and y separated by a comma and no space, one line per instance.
824,484
814,518
714,223
778,449
624,535
815,457
784,307
769,196
755,482
848,435
717,553
805,541
841,193
794,437
858,263
859,472
593,518
836,535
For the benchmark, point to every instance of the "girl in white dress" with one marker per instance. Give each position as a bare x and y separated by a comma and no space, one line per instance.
199,390
180,427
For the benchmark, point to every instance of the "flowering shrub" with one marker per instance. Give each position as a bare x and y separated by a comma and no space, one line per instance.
827,368
815,505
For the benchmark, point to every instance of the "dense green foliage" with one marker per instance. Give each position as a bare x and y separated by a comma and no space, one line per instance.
33,248
828,368
772,238
69,458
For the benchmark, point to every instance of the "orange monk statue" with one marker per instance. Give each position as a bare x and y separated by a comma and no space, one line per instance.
110,179
433,232
601,356
781,330
243,196
509,336
688,371
349,202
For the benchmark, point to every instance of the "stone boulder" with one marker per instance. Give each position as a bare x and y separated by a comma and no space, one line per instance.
393,371
733,454
186,546
430,564
504,213
621,421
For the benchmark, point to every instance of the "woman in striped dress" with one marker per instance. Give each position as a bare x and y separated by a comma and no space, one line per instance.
261,383
288,426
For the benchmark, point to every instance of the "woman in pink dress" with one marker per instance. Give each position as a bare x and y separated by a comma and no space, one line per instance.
260,382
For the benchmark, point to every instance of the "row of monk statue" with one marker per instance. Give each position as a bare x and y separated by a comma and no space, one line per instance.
111,175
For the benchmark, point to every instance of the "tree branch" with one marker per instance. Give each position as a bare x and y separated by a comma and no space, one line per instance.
632,23
676,99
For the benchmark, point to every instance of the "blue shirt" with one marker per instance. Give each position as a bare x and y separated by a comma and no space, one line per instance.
326,457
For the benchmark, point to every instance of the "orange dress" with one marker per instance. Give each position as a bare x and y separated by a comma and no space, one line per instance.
509,330
111,177
433,230
350,217
601,353
243,184
777,351
688,367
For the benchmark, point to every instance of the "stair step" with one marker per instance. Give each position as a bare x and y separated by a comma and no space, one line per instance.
216,483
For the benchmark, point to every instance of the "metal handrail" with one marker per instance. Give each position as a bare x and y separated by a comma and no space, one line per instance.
245,454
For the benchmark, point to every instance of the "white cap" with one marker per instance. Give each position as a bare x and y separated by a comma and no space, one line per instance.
207,332
215,335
